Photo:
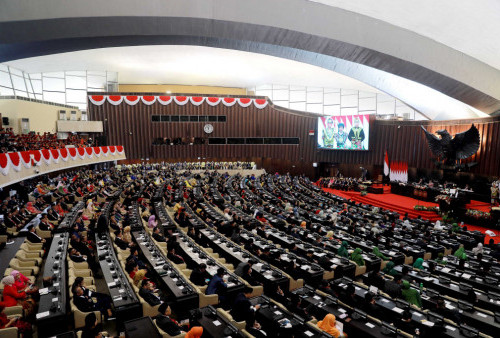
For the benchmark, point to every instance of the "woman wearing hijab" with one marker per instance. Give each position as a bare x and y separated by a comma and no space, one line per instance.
328,325
389,269
152,223
127,236
195,332
11,297
478,249
22,283
32,209
437,225
139,276
460,253
411,295
357,258
342,251
377,253
440,259
419,264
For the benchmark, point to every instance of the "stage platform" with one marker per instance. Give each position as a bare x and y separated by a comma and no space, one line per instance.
397,203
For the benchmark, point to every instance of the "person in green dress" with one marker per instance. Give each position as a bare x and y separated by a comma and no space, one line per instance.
377,253
411,295
389,269
342,251
460,253
419,264
440,259
357,258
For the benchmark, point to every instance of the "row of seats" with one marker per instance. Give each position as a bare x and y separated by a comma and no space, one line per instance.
80,269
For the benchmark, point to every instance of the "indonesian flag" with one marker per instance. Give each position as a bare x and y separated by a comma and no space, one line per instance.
386,164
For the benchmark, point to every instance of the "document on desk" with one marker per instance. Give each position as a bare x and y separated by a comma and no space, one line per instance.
42,314
466,276
216,323
370,325
398,310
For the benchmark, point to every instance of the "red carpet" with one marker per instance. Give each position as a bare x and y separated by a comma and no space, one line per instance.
481,206
397,203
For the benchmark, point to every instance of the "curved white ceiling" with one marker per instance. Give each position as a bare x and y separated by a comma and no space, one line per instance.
192,65
196,65
471,27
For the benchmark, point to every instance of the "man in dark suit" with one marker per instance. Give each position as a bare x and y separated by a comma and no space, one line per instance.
217,285
393,287
200,276
102,222
173,257
158,236
167,324
86,304
119,241
33,237
45,225
242,309
146,292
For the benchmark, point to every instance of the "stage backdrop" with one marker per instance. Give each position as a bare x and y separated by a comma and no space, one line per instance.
129,121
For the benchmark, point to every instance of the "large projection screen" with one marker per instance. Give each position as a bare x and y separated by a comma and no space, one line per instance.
348,132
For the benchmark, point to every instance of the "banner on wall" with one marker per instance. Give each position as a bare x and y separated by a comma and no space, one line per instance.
132,100
16,160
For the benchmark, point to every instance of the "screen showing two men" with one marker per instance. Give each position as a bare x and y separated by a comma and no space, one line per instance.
349,132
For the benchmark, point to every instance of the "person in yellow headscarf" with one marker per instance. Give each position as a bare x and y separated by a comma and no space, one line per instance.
328,325
139,276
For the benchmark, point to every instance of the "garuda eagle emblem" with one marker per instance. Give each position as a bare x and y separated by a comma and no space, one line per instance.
452,150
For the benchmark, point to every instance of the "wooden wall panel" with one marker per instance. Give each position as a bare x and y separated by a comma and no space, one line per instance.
404,141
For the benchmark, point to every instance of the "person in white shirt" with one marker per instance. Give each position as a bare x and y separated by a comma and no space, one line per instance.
227,215
438,226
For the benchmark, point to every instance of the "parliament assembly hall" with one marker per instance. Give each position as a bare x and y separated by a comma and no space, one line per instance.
265,168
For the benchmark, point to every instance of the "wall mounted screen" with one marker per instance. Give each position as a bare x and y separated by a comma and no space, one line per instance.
348,132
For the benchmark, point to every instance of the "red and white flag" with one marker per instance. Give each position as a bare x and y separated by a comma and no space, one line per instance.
386,164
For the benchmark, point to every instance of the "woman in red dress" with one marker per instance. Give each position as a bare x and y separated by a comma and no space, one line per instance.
24,328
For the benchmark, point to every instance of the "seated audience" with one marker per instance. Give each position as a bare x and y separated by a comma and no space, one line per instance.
411,295
357,257
158,236
85,303
92,328
11,296
217,284
200,276
393,287
168,324
328,325
147,293
24,328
